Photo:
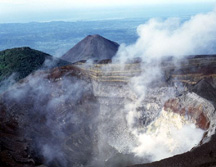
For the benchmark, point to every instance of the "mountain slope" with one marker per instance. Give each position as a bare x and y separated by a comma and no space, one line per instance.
21,60
63,111
17,63
93,47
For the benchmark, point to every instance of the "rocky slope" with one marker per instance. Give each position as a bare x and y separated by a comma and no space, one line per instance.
93,47
37,122
59,117
80,115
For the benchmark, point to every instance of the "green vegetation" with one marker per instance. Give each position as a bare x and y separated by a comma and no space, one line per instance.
23,61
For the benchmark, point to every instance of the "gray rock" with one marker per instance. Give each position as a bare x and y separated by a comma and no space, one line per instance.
93,47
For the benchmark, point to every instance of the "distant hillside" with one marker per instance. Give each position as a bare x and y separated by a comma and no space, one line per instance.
23,61
93,47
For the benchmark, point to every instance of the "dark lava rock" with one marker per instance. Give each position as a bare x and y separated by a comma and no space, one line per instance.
14,150
205,89
48,118
93,47
39,126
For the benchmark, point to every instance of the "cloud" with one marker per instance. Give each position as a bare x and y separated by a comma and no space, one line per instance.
47,10
60,112
55,4
8,82
168,135
158,38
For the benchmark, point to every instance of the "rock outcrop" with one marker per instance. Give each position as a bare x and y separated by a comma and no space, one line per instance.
54,113
61,114
194,108
14,149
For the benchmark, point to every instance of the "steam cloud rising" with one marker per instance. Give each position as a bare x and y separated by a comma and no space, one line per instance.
158,39
117,130
171,37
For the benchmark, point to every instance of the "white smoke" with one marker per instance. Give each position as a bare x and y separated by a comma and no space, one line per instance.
158,39
166,136
8,82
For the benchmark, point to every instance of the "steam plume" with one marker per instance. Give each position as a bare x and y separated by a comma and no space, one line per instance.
157,39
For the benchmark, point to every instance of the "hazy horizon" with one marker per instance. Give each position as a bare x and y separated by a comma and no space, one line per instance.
96,103
56,31
11,12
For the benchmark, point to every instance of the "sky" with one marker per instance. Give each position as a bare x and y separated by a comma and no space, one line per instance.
32,10
56,4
